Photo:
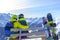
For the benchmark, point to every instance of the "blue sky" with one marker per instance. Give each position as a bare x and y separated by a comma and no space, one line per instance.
42,7
31,8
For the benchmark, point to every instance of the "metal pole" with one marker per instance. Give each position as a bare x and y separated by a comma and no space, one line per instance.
20,34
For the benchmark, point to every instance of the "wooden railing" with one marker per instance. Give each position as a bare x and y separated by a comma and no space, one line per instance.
33,34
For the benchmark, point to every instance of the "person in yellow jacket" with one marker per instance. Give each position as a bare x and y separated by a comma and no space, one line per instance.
21,23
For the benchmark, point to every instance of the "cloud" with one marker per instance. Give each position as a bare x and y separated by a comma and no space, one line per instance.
8,5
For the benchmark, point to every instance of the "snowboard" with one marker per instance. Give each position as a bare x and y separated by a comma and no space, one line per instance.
53,25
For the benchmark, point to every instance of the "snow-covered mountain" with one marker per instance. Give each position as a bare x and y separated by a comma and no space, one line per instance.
32,22
4,18
35,22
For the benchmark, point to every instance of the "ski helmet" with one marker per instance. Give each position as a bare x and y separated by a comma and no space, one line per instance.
21,16
14,17
49,17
